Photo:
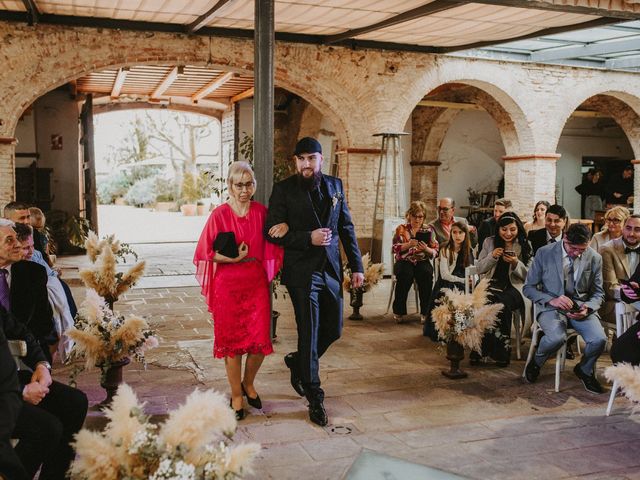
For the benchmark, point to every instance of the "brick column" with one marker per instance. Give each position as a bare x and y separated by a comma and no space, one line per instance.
424,184
358,169
636,185
529,178
7,170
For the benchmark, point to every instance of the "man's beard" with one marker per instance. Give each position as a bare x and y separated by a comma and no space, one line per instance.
310,183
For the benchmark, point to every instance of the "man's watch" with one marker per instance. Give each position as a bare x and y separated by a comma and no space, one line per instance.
45,363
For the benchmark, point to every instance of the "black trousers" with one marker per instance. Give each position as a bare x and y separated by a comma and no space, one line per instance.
46,430
10,464
318,310
499,347
406,272
626,348
429,328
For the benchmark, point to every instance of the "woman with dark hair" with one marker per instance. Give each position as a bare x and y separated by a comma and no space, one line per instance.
539,211
455,255
504,260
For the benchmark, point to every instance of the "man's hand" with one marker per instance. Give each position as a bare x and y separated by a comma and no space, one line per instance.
630,291
321,237
42,376
34,392
279,230
357,279
584,311
561,303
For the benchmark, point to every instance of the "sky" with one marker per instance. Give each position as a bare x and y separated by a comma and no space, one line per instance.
112,129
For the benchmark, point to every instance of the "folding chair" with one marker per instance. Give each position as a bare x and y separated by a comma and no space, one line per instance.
561,354
625,317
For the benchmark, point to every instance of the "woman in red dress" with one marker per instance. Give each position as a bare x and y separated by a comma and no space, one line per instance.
237,289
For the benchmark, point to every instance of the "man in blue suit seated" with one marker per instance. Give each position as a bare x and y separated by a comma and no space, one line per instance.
565,283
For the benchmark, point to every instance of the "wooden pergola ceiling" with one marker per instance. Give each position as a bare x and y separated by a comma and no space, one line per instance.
437,26
182,83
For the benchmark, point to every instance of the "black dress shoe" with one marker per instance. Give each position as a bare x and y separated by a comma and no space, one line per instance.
531,372
254,402
590,382
240,414
296,382
474,358
317,413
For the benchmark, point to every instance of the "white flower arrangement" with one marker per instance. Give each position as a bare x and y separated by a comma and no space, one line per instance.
194,443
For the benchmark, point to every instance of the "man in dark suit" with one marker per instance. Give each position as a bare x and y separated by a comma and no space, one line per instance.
488,227
565,283
314,207
50,413
28,297
555,221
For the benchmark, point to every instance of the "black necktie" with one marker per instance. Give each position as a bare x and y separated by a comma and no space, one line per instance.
551,240
630,250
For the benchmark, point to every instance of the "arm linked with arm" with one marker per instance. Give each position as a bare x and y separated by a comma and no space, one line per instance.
278,213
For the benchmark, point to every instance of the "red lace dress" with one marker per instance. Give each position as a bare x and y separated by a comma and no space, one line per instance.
237,294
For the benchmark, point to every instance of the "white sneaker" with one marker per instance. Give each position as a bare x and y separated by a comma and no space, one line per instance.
398,318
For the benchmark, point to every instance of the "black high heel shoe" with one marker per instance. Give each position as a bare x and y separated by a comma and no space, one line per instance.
240,414
254,402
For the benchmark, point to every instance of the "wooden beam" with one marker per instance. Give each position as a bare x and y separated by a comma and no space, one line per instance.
32,11
599,22
168,80
203,19
119,82
456,105
242,95
586,50
212,86
421,11
563,7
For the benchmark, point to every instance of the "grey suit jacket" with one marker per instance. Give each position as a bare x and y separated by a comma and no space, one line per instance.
545,280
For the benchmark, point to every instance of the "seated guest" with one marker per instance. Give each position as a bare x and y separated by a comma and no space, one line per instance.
539,212
51,413
62,318
38,222
555,221
18,212
620,258
455,255
413,260
446,218
28,297
565,283
503,259
488,227
614,219
626,348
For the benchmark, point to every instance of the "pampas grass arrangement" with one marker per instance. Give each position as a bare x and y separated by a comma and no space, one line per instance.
102,276
372,274
103,338
465,318
628,377
194,443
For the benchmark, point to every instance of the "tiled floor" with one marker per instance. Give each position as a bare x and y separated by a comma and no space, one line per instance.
385,394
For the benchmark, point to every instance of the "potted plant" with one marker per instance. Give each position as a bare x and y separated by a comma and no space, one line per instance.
372,275
461,321
190,194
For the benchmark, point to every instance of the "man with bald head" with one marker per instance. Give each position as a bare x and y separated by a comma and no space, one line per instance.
446,218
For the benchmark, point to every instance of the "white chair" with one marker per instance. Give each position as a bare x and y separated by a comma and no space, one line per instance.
471,279
625,317
561,355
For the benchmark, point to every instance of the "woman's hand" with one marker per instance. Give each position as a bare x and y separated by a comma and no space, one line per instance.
422,247
497,253
243,250
279,230
512,260
410,244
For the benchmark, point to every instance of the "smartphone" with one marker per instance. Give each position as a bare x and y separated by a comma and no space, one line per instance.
509,253
424,236
574,309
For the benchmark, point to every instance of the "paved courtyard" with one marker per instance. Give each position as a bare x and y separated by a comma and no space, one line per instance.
384,393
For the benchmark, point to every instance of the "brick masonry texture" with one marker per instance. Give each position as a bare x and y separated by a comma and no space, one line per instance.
355,89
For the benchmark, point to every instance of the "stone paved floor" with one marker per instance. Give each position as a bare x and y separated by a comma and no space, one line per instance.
384,392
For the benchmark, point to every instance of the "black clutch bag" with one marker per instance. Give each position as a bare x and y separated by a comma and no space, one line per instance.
424,236
225,244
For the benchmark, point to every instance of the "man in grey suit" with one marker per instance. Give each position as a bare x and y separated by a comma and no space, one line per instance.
565,283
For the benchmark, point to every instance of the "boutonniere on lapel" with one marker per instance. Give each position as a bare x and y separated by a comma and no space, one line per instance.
336,198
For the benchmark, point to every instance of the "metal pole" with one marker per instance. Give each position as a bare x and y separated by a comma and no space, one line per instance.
263,125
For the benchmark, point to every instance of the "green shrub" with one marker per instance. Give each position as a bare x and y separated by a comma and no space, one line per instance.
142,193
115,185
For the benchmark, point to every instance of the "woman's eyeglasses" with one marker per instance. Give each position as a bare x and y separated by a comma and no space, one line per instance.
613,220
240,186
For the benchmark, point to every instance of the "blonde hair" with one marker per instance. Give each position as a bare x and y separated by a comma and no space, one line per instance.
37,217
236,171
415,207
621,213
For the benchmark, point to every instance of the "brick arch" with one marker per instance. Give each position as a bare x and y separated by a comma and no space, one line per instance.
437,132
50,57
623,107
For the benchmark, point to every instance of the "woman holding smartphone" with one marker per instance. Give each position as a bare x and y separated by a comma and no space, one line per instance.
504,259
414,245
